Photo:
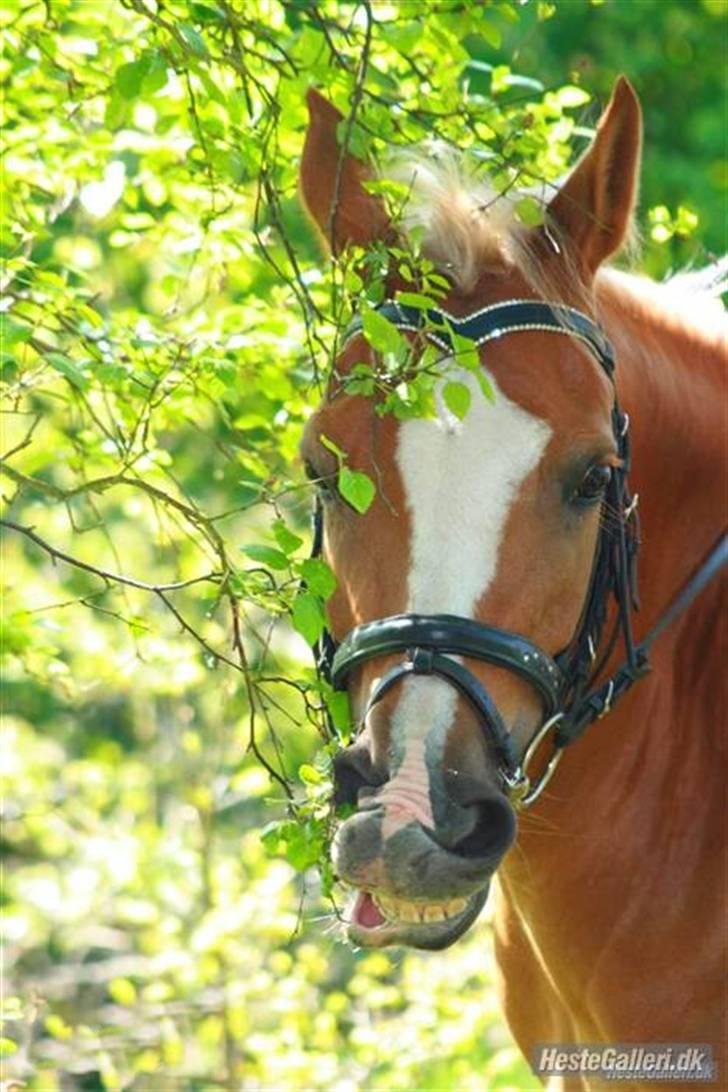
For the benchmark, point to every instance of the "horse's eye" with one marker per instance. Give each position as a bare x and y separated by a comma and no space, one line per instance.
323,482
594,484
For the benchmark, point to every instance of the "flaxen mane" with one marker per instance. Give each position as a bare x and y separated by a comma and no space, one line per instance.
469,228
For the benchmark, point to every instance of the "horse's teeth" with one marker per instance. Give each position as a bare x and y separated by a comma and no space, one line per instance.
386,906
401,910
434,913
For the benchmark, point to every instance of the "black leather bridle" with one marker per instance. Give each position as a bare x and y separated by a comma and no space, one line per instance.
567,684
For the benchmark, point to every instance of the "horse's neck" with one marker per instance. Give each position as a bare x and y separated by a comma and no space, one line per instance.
671,380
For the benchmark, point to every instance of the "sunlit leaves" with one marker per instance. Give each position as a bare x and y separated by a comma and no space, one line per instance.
357,488
308,617
570,96
266,555
192,36
123,991
147,74
457,398
416,299
318,577
664,225
309,774
381,334
529,211
288,542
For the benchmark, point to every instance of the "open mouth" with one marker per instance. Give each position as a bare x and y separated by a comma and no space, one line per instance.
378,920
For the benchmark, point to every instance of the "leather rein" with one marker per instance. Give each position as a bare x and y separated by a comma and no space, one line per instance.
567,684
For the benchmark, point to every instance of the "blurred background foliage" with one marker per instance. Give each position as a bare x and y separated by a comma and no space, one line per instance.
166,319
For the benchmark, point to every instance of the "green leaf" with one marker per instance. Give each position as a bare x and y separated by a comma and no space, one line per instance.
661,233
329,444
304,845
415,299
155,77
500,79
529,211
287,541
485,385
491,34
310,775
207,13
457,398
123,991
545,11
382,335
92,316
318,576
13,333
117,108
308,617
56,1026
357,488
686,221
570,95
271,834
68,368
266,555
659,214
193,38
338,705
466,351
129,77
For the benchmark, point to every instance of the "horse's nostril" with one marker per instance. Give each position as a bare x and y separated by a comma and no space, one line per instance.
493,831
354,773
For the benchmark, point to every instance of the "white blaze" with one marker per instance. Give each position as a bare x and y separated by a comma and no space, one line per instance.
460,480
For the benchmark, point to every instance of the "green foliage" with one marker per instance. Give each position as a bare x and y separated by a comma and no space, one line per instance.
167,324
674,54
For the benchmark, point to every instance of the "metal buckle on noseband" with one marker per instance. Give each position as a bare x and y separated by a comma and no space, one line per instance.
521,790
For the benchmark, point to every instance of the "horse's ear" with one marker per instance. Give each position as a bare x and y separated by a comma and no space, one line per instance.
333,186
593,208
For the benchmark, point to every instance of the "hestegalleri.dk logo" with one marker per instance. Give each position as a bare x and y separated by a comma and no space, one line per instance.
627,1061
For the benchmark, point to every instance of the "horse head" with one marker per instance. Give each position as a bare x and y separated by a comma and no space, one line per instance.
489,517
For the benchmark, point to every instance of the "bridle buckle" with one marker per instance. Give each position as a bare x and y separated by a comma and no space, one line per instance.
421,660
521,790
606,708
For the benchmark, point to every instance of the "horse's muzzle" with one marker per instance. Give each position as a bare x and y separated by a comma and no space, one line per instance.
412,887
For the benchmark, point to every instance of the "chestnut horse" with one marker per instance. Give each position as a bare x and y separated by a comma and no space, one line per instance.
609,926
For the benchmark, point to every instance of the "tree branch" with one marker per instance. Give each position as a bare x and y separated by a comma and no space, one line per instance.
104,574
